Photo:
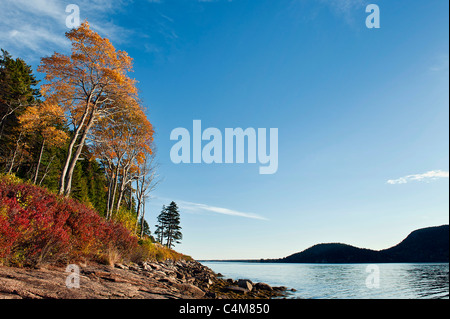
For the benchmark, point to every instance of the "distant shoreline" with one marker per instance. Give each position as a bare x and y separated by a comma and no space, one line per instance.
266,261
425,245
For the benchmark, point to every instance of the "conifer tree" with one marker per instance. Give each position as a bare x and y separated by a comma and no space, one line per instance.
168,228
17,92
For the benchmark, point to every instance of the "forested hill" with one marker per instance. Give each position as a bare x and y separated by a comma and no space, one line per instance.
422,245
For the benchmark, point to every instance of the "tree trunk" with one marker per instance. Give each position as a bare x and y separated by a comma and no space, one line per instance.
46,170
169,236
12,162
68,186
142,220
130,204
113,195
39,162
139,204
121,190
15,153
123,184
62,179
109,196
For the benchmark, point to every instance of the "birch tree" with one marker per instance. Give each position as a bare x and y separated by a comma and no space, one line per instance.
87,84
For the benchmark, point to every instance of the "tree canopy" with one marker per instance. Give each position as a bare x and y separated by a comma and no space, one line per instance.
84,132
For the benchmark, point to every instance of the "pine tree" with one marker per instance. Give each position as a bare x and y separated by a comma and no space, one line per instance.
17,92
173,225
168,228
145,231
161,227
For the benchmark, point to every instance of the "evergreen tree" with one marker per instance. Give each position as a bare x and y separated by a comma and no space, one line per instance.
161,227
146,229
168,228
171,231
17,92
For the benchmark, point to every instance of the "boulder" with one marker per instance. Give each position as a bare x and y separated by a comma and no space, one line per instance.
245,283
192,290
263,286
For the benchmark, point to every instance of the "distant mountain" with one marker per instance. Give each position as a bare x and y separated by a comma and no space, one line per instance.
422,245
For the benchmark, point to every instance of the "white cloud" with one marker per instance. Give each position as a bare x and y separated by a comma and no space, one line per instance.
32,29
218,210
431,175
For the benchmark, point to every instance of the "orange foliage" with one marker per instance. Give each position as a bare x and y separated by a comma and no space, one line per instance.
44,118
93,88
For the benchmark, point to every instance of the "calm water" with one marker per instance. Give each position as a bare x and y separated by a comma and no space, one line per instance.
345,281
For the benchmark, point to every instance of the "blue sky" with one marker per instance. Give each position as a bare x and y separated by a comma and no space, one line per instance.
362,113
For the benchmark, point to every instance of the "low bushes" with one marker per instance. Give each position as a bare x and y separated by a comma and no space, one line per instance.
147,250
37,226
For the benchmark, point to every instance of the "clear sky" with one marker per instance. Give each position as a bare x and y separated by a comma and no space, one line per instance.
362,114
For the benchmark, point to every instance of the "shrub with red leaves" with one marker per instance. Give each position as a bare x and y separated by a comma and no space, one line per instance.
38,226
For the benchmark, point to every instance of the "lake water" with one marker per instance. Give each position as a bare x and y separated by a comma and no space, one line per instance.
345,281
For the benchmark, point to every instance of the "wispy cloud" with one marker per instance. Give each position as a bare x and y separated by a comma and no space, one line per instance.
202,208
32,29
425,177
219,210
440,64
346,8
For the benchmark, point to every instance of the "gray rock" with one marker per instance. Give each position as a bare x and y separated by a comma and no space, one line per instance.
193,290
134,267
121,266
263,286
159,273
154,266
246,284
147,267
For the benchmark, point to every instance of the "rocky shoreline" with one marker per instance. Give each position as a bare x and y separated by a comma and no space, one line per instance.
148,280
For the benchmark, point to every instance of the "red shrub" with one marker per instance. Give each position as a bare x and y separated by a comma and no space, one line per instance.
37,226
